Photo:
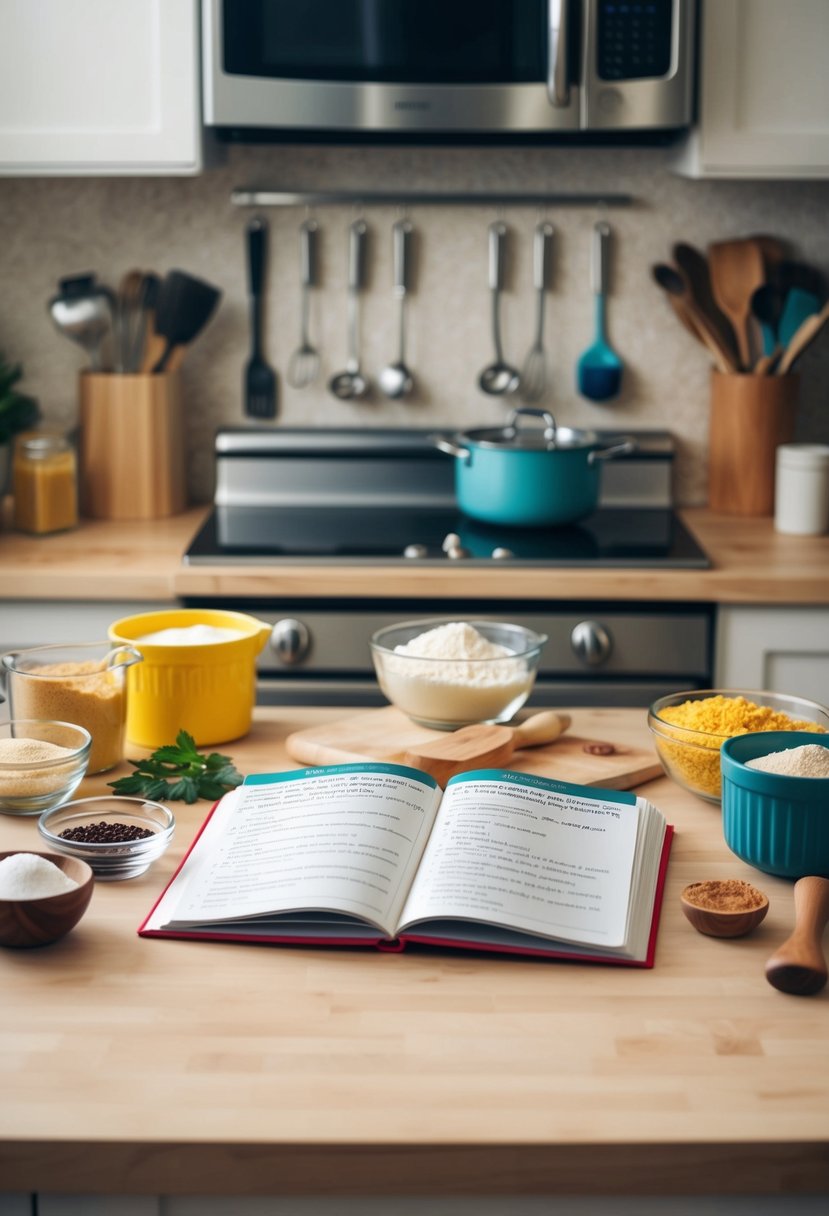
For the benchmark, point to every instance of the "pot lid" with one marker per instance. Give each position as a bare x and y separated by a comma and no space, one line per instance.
548,437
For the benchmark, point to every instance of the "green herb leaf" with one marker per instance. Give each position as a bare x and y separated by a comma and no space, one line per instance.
186,790
178,772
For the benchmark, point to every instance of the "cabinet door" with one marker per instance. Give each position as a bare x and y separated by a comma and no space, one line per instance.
764,91
776,649
97,87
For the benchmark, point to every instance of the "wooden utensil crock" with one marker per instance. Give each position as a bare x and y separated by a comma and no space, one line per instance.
131,446
750,417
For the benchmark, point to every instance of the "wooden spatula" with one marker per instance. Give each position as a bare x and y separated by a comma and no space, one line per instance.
737,269
483,746
799,966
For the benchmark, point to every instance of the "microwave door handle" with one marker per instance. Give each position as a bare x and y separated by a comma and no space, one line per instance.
558,67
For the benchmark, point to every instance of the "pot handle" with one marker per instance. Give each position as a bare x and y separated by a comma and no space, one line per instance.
451,449
530,411
618,449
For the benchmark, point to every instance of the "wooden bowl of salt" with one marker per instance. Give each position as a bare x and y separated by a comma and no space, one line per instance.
724,907
31,919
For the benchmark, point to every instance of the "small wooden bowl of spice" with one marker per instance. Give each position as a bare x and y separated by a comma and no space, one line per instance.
724,907
42,897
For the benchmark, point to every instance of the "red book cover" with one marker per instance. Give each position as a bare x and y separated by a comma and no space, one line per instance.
365,935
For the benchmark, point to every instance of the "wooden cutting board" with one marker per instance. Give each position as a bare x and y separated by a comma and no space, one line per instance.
386,734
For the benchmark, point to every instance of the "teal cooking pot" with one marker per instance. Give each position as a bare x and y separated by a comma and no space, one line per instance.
529,476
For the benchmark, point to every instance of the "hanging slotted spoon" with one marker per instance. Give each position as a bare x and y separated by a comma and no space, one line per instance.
259,385
534,372
304,363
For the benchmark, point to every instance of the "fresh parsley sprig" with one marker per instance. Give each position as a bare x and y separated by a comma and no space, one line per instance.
180,773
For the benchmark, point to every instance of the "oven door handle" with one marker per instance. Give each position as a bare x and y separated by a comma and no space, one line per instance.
558,64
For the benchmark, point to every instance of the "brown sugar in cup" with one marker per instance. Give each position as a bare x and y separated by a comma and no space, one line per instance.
724,907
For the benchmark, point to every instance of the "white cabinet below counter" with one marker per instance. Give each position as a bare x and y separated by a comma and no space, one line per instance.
763,108
777,649
99,88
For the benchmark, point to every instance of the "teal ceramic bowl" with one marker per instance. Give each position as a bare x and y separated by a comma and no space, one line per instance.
776,822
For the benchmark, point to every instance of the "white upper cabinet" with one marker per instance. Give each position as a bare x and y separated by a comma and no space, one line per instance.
96,87
764,91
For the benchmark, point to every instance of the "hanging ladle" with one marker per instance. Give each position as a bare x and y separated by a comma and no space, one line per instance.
351,383
396,380
499,377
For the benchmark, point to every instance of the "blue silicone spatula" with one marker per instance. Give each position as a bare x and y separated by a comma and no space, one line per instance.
599,370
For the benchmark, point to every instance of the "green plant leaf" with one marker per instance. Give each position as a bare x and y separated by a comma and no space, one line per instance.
180,773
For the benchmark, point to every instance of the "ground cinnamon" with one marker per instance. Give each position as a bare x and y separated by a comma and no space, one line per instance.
724,895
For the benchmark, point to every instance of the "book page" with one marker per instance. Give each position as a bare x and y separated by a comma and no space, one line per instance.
532,855
345,838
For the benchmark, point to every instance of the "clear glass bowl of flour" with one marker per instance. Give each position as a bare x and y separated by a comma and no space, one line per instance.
445,673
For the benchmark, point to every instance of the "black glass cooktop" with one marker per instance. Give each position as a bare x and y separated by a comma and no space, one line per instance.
611,536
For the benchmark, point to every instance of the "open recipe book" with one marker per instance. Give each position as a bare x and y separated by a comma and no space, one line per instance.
377,855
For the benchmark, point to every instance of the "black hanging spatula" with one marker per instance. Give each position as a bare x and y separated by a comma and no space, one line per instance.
260,378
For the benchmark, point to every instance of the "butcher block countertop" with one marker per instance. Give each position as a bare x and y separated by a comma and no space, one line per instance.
172,1067
751,564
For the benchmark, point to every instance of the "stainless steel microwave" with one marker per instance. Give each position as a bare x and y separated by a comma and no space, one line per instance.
401,70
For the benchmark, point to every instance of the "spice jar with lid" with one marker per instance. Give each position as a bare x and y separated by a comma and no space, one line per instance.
45,484
801,498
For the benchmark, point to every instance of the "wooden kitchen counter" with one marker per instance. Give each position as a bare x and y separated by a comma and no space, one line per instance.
751,564
173,1067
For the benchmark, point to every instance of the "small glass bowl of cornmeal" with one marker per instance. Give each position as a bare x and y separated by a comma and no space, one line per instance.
42,763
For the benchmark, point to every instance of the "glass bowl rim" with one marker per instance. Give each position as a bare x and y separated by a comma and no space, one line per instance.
98,848
698,694
424,624
77,754
106,644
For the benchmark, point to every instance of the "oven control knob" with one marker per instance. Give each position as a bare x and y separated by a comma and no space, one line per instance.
290,640
591,643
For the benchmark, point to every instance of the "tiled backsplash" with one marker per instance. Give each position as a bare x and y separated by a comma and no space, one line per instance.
57,226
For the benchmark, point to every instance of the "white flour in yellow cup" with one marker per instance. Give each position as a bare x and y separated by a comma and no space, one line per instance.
206,687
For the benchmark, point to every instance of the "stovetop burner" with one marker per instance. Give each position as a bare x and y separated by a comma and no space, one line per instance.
612,536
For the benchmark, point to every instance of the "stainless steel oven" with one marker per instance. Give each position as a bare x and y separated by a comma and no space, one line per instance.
380,500
479,69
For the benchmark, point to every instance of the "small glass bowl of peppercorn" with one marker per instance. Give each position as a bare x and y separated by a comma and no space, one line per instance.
118,837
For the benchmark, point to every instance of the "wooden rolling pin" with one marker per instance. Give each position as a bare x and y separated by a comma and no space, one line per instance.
799,966
483,746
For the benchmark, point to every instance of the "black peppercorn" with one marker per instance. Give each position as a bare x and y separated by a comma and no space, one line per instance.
106,833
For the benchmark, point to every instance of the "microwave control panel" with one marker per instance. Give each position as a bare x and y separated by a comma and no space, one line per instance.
634,39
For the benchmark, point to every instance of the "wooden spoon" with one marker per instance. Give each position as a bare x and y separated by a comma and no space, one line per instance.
799,966
738,268
694,319
692,264
483,746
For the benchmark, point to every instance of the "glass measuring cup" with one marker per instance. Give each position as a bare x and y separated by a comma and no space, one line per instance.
84,684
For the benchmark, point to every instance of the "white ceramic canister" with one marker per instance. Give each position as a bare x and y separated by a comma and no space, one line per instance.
801,496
